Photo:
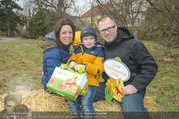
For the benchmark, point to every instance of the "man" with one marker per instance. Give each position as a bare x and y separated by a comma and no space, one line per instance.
119,42
10,101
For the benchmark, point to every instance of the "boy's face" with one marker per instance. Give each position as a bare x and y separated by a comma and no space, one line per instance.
9,106
89,41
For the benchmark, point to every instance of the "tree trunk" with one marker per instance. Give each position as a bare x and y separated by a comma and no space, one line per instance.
8,29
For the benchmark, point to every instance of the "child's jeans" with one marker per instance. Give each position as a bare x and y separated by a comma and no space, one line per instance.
86,104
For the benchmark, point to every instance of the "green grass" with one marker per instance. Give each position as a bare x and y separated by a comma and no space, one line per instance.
20,65
165,85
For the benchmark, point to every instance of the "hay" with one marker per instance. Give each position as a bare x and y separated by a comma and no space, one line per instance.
39,100
103,106
149,104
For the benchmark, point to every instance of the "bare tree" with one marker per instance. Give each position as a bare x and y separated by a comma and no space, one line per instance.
126,12
56,9
28,8
162,19
77,11
59,8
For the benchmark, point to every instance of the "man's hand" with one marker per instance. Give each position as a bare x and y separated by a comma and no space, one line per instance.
129,89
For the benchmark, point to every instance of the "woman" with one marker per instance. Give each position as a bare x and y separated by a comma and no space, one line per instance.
56,46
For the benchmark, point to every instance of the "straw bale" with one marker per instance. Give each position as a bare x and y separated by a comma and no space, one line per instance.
2,101
149,103
39,100
103,106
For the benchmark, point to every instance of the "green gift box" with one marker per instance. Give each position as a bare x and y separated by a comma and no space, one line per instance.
68,83
85,90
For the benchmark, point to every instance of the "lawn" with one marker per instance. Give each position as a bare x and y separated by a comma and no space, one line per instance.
21,66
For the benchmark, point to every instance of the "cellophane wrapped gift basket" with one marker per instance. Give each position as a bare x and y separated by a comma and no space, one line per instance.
68,83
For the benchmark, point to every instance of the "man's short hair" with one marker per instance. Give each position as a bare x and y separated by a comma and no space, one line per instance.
105,17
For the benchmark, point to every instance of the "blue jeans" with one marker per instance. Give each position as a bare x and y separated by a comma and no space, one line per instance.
100,92
86,104
132,105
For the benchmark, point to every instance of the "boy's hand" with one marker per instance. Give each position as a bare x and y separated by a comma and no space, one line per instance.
72,64
79,65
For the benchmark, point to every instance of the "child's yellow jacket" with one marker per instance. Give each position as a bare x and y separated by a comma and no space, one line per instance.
92,58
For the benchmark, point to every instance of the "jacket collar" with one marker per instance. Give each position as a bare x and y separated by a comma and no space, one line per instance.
47,44
66,47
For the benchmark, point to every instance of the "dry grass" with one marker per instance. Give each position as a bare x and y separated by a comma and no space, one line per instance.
39,100
20,65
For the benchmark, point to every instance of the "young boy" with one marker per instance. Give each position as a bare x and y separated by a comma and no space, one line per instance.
90,55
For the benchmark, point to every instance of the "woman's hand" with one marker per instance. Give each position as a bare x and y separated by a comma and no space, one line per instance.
72,64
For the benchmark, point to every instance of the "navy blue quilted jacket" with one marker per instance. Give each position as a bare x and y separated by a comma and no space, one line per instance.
53,56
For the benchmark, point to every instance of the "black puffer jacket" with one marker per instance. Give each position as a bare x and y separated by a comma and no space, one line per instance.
135,56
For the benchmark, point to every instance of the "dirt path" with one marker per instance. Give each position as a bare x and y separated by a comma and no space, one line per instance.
7,39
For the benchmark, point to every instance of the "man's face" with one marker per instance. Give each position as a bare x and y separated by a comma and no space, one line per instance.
108,29
9,106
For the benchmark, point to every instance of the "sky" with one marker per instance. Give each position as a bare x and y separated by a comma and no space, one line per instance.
78,2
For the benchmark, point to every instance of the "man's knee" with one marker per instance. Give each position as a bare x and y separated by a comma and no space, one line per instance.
133,102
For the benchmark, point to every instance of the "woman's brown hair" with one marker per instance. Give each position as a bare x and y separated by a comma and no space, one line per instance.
58,27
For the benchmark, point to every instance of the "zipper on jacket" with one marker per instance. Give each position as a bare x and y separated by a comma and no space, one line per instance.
84,52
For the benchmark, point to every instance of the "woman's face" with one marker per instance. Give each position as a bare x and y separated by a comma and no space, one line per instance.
66,34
